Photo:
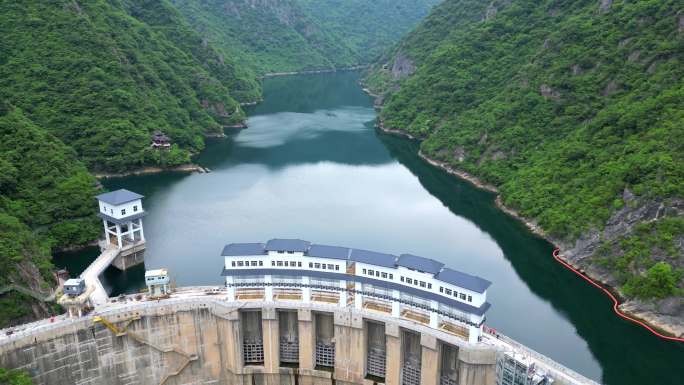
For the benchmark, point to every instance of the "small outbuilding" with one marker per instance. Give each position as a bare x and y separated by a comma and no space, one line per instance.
74,287
157,282
160,140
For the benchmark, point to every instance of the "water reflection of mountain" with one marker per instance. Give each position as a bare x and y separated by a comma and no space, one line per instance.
312,92
345,147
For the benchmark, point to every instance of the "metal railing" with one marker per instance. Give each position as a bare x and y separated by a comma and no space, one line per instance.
540,357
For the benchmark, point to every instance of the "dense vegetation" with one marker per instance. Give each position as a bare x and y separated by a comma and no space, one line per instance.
275,36
14,377
298,35
46,201
565,106
368,27
102,76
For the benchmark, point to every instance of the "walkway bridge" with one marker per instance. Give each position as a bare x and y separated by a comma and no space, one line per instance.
110,253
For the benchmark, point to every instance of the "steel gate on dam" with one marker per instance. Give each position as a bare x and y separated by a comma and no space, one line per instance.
195,338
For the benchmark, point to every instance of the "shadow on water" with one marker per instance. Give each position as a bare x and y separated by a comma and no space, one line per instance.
628,354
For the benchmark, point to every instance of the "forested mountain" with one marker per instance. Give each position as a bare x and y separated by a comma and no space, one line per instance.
573,110
269,36
103,75
368,27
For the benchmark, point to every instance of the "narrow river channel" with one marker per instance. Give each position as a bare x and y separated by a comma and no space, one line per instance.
312,166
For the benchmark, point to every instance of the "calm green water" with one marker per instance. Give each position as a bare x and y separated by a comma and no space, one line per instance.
311,166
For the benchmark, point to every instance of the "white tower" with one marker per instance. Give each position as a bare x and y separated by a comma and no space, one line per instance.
121,212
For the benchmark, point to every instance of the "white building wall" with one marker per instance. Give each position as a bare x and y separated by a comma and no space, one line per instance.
115,211
270,261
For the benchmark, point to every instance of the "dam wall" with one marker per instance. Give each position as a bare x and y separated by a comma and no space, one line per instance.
202,339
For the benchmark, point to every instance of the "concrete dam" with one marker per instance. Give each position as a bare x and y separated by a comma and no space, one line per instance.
199,338
290,312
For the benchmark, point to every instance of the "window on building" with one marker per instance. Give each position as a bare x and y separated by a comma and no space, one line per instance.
299,264
384,275
377,273
317,265
470,298
281,252
462,296
290,252
233,263
429,286
409,281
323,266
422,284
455,294
371,272
239,263
401,278
247,263
272,263
391,276
330,266
448,291
293,263
364,271
261,263
123,211
337,267
254,263
279,263
441,289
111,211
310,265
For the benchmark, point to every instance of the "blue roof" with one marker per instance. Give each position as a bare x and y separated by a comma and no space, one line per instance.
287,245
119,197
372,258
324,251
466,281
423,264
240,249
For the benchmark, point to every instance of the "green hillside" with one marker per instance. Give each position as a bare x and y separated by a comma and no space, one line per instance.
103,75
573,109
368,27
268,36
46,201
298,35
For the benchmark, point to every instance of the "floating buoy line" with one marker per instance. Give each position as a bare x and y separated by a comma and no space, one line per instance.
616,303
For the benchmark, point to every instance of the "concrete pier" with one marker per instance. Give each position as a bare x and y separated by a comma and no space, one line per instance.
111,254
194,338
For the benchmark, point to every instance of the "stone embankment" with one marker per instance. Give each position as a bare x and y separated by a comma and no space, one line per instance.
309,72
188,167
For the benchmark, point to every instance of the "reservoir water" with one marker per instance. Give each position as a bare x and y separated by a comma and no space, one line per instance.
312,166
